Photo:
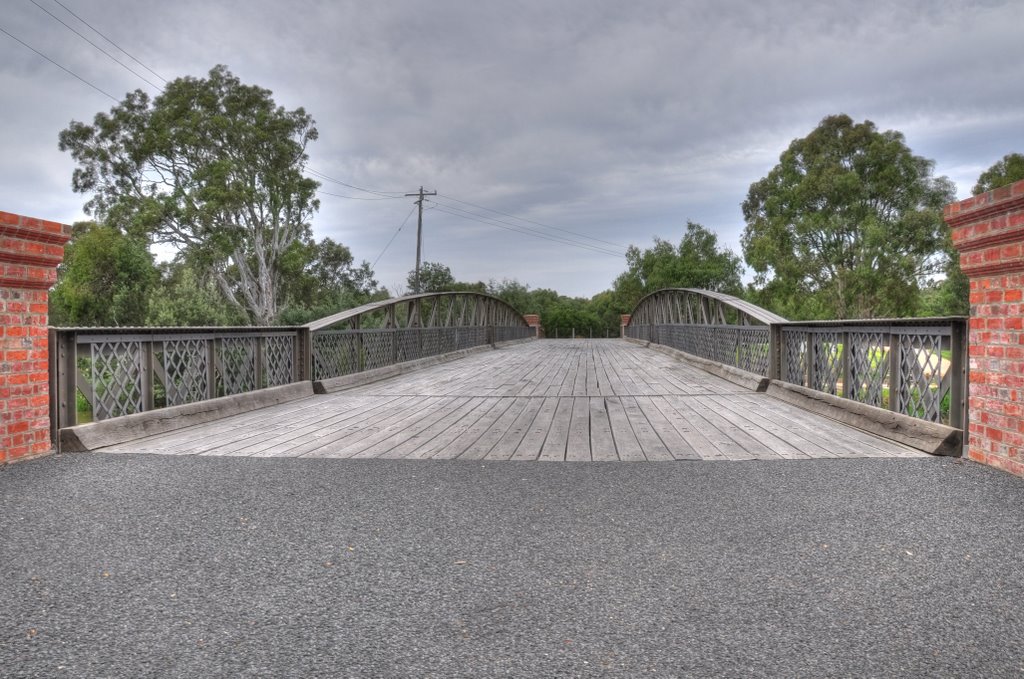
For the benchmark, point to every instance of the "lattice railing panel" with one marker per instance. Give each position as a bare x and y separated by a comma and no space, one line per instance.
794,356
278,360
335,353
378,348
116,370
185,370
827,362
407,345
922,386
236,365
869,367
753,350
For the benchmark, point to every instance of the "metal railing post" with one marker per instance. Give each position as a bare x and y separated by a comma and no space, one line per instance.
895,375
960,379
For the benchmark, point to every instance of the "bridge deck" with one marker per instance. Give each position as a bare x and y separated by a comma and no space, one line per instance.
548,400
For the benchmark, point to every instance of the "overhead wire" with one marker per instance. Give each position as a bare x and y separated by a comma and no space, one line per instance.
63,68
387,194
108,54
338,195
393,237
99,33
490,221
530,221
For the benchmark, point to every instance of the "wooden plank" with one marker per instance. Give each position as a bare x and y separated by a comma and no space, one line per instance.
651,445
497,430
530,447
406,429
602,441
678,447
625,440
463,446
578,446
760,431
509,443
421,439
709,442
443,446
555,444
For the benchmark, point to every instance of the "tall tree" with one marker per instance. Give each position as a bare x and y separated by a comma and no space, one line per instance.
434,277
1006,171
697,262
106,279
211,166
848,224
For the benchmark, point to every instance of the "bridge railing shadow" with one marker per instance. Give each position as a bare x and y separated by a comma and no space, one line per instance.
913,366
102,373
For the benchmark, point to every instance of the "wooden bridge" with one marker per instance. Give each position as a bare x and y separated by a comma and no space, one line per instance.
703,376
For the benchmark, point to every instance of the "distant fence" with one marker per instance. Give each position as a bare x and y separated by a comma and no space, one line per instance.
914,366
111,372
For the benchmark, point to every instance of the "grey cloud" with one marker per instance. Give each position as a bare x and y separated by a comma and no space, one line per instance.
618,120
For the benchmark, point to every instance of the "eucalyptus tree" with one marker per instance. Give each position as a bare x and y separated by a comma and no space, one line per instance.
848,224
210,166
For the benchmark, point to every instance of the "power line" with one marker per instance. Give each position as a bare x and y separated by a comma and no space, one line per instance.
97,31
393,237
530,221
515,227
466,214
66,70
108,54
338,195
386,194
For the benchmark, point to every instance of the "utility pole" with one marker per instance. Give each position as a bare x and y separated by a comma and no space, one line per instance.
419,232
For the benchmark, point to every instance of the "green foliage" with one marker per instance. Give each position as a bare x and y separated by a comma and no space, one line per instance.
211,166
1006,171
105,280
697,262
322,278
847,225
434,277
185,298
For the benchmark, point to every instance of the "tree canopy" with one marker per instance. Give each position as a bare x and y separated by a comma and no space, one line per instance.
697,262
1006,171
847,225
211,166
106,279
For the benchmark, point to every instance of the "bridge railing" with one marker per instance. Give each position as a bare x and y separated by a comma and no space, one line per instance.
112,372
408,328
913,366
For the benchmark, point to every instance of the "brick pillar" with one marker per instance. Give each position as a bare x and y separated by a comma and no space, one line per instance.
30,250
624,321
988,231
533,320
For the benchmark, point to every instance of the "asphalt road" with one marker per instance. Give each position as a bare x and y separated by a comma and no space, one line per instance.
138,566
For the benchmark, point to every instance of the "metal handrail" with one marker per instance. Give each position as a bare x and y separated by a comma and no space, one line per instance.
914,366
121,371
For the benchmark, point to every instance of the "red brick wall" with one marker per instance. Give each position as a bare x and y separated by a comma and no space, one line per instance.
533,320
988,231
30,250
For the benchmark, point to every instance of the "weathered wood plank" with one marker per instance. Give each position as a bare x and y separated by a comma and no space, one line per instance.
558,436
578,446
651,445
678,447
602,441
530,447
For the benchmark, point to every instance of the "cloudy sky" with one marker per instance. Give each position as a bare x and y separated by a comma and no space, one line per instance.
603,123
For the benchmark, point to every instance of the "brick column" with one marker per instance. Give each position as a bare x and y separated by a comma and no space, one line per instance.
30,250
533,320
988,231
623,322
